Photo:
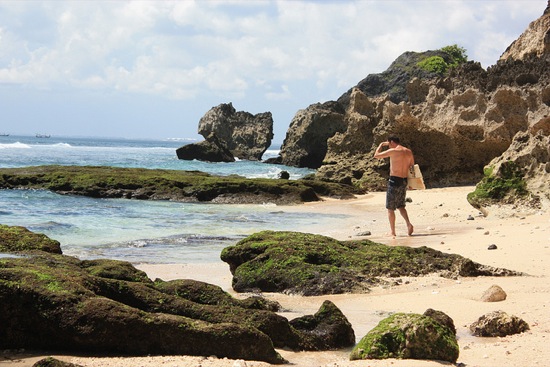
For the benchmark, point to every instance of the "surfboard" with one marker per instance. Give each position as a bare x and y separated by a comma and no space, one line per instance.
415,181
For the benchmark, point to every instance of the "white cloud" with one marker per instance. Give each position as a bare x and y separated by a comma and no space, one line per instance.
243,50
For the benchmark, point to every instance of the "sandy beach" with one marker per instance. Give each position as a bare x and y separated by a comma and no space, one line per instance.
443,220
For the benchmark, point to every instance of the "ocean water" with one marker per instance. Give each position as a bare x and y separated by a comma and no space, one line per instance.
133,230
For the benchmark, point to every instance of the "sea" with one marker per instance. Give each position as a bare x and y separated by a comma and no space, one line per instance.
156,232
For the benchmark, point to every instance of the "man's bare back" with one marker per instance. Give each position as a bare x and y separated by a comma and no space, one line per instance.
401,158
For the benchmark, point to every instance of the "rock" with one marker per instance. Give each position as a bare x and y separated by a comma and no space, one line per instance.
442,318
408,336
364,233
328,328
498,323
520,176
534,40
284,175
305,144
210,150
493,294
245,135
308,264
53,362
492,247
15,239
56,302
160,184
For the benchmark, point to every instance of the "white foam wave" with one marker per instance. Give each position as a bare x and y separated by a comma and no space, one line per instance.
16,145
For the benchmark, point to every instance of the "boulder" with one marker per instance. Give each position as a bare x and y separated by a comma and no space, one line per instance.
16,238
305,144
210,150
54,362
327,327
494,294
56,302
245,135
498,323
309,264
408,336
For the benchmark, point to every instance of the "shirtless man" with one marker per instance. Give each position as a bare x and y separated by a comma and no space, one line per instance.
401,159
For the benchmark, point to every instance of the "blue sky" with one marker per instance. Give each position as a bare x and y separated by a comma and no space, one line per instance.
151,69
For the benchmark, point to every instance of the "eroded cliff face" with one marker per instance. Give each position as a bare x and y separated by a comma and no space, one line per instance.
455,125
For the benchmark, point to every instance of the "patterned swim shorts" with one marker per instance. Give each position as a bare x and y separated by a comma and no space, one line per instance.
397,192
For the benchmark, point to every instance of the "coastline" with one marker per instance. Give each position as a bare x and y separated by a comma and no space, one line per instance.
443,220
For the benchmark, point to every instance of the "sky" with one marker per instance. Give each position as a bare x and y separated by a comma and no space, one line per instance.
152,69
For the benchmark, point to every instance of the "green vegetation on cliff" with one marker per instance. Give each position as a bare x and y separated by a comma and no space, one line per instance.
509,183
438,65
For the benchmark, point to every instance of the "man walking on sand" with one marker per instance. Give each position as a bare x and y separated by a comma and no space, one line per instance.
401,159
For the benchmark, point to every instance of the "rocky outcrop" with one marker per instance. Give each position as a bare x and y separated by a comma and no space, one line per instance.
305,144
244,135
455,125
520,176
498,323
408,336
210,150
309,264
56,302
156,184
534,41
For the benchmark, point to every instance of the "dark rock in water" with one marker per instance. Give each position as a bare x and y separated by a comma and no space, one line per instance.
498,323
56,302
408,336
209,150
284,175
245,135
311,264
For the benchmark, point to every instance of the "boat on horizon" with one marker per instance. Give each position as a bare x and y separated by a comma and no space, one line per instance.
4,134
42,136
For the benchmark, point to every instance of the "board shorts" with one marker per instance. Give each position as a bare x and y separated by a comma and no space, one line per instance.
397,192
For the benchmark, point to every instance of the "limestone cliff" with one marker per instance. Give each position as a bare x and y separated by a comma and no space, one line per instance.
455,125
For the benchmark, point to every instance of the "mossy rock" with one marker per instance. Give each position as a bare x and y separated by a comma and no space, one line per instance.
310,264
58,302
16,239
506,186
408,336
158,184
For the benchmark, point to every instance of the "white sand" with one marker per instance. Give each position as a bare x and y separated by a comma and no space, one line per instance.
440,217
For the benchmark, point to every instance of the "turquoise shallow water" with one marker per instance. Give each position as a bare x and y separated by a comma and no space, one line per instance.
132,230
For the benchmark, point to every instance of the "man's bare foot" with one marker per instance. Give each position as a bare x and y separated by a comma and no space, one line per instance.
411,229
392,235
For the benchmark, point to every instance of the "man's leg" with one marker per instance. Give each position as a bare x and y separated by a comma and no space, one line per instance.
391,217
405,215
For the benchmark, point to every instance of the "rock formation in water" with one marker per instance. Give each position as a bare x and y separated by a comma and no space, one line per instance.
242,134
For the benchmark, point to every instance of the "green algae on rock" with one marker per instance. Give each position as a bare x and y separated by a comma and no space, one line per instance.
159,184
309,264
408,336
55,302
15,239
